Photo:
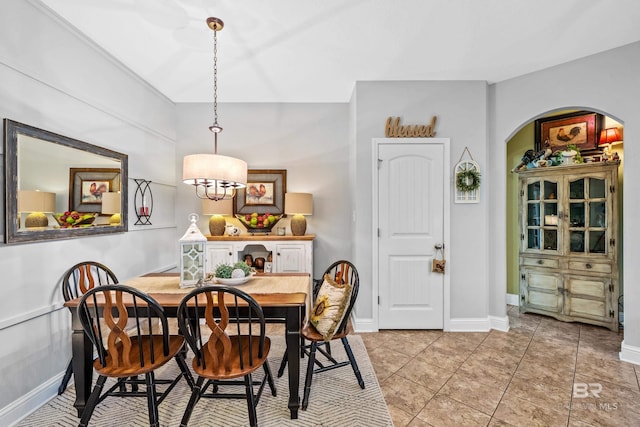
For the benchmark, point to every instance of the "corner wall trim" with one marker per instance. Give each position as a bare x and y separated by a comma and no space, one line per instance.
629,353
512,299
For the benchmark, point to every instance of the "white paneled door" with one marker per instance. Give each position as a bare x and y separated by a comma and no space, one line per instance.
411,224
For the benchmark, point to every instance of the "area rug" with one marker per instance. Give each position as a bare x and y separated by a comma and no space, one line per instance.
336,400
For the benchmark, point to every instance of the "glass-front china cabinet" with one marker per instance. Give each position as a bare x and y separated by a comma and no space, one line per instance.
569,242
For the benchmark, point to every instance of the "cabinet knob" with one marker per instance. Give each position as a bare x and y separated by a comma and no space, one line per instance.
278,253
540,262
230,253
588,266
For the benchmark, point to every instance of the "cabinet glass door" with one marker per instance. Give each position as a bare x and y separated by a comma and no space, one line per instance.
542,215
587,216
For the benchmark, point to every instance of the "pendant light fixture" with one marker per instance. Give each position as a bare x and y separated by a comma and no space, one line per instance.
215,177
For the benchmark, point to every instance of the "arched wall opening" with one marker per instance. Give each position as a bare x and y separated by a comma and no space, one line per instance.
518,142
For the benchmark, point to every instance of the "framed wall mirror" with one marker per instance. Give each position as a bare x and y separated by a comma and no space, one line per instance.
60,188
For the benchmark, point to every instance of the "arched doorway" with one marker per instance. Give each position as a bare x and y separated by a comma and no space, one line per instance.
517,144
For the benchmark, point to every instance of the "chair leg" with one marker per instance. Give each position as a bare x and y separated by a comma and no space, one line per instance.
195,396
92,401
66,378
152,399
283,364
309,377
267,372
352,359
186,373
251,401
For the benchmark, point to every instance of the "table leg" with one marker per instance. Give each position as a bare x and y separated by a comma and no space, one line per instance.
82,352
293,358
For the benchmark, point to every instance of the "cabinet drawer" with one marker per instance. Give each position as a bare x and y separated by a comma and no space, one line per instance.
540,262
586,266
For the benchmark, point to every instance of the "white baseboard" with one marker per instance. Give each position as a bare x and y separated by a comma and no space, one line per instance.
499,323
363,325
30,402
629,353
469,325
512,299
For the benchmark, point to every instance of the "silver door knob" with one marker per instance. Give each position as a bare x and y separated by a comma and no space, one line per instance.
438,246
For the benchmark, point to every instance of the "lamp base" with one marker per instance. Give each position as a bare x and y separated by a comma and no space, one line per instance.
217,225
298,225
36,219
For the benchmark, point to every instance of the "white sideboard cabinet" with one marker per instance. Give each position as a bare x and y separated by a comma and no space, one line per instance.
281,254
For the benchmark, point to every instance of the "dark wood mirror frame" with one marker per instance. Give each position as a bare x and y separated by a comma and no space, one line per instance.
13,233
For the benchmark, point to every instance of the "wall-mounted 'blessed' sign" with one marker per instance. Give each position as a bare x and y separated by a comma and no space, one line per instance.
393,129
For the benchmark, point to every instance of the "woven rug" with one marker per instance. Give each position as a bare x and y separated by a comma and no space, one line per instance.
336,400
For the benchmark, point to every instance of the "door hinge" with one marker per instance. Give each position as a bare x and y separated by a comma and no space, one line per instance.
612,241
378,232
521,193
522,237
379,163
378,299
522,276
610,287
612,189
611,313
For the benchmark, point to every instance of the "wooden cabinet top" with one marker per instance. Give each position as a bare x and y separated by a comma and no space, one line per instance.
259,237
569,169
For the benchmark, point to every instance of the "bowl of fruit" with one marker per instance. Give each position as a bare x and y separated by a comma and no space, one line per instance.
256,222
75,219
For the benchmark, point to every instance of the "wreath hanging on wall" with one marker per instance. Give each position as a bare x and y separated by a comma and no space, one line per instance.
468,180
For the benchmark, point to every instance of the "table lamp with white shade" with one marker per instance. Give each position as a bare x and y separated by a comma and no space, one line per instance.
111,205
37,204
298,205
218,209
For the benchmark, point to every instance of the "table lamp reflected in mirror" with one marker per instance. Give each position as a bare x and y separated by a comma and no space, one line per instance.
37,204
298,205
111,206
218,209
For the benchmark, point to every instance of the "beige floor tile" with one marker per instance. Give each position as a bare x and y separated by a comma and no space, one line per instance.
405,394
385,362
444,356
468,390
425,374
526,374
541,393
446,412
486,373
604,369
520,412
530,369
399,417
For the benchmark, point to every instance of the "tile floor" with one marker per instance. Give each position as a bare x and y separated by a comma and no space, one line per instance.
524,377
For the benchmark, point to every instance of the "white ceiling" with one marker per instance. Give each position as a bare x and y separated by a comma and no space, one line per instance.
315,51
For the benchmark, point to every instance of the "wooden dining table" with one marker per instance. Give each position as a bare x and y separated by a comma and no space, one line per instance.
284,297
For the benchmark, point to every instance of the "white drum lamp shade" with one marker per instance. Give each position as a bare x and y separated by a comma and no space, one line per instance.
111,205
298,205
37,204
218,209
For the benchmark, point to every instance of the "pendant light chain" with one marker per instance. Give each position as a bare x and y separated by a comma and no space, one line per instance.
215,90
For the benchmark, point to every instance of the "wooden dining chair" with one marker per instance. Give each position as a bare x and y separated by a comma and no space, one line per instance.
76,282
225,329
125,353
333,299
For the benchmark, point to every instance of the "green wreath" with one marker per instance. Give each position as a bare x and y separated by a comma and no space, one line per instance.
468,180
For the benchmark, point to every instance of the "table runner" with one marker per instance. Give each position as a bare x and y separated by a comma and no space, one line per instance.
267,284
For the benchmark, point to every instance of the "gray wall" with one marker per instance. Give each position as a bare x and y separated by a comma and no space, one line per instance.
52,79
308,140
591,83
461,108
